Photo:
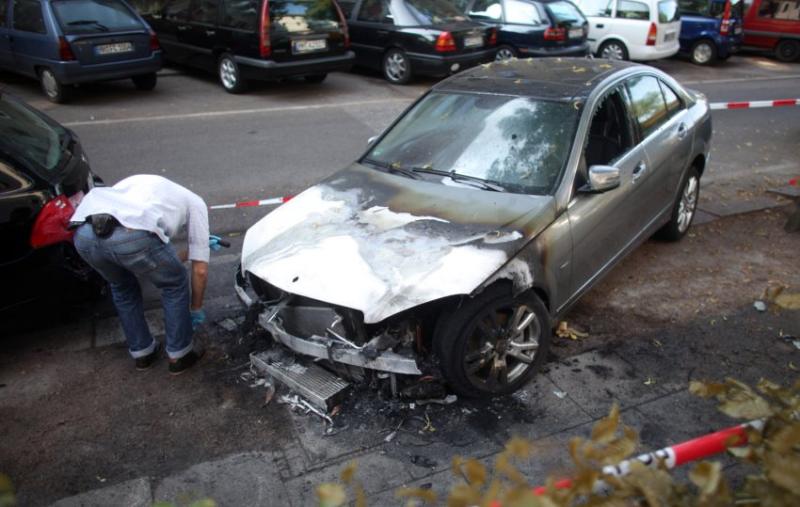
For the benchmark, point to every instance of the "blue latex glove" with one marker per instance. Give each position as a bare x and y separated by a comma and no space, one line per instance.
198,317
214,242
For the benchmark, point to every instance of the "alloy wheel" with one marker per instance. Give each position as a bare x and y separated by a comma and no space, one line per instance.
228,73
504,54
49,83
687,204
613,51
396,66
702,53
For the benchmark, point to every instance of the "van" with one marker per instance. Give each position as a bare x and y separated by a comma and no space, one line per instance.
67,42
632,29
711,30
773,25
243,40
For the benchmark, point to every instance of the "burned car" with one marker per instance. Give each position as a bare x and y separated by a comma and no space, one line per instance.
453,245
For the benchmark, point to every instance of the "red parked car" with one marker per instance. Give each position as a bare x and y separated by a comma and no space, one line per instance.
773,25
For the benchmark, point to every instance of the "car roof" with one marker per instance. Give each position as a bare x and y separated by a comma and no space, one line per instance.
557,79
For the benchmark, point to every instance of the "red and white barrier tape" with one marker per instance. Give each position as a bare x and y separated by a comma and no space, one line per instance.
251,204
753,104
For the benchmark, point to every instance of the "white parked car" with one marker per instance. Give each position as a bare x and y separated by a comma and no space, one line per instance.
632,29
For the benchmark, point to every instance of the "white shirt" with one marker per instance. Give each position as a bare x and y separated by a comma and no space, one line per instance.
152,203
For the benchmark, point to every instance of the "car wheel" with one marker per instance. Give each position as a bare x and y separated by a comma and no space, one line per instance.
505,53
396,66
493,343
316,78
229,74
787,50
54,90
613,50
684,209
704,52
145,82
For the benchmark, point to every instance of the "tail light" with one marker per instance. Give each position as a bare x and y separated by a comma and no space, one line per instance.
50,226
652,34
154,45
725,25
493,37
555,34
264,44
445,42
65,53
343,22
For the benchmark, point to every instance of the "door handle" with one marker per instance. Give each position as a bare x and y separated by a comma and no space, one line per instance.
382,32
181,28
210,32
600,25
639,170
682,131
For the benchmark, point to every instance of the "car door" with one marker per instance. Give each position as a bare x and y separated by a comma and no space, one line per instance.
30,44
6,58
173,21
664,136
600,14
605,225
200,35
370,32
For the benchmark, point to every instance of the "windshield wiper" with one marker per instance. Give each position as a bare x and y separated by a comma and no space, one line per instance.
396,169
478,182
94,22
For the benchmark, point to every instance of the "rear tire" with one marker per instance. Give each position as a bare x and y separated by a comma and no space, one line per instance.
145,82
230,76
788,50
396,66
613,50
480,343
53,89
703,52
315,78
684,209
504,52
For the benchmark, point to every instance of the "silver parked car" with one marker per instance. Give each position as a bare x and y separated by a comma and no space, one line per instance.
453,245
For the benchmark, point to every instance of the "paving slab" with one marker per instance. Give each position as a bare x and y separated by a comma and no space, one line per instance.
134,493
241,479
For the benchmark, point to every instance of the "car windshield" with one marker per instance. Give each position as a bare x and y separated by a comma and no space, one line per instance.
431,12
303,15
565,12
28,136
94,16
520,144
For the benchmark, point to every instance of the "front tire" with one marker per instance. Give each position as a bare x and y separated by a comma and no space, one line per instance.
613,50
396,67
703,52
230,76
492,344
504,53
788,50
53,89
145,82
684,210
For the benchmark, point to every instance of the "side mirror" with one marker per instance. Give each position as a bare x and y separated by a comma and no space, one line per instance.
602,178
371,140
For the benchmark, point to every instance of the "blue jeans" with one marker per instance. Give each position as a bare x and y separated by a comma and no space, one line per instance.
121,259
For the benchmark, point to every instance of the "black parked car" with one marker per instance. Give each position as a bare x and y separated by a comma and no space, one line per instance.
407,37
43,175
254,39
533,27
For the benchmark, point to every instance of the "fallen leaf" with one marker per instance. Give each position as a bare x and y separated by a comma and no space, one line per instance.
788,301
649,382
331,495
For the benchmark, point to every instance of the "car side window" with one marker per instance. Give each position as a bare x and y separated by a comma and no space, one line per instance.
347,8
486,9
647,103
177,10
10,181
240,14
204,11
674,103
597,8
375,11
609,136
779,9
28,16
3,9
522,12
627,9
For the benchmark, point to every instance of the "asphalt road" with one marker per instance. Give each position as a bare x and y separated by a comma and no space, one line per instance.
280,138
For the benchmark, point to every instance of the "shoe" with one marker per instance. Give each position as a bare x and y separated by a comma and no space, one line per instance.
180,365
147,362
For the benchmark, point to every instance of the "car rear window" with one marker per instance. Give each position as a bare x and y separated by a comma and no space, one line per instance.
627,9
28,136
519,143
668,11
302,15
432,12
565,12
95,16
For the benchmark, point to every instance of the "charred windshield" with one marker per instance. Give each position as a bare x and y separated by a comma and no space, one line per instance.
520,144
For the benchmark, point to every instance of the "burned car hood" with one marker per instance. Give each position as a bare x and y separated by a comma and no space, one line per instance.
382,243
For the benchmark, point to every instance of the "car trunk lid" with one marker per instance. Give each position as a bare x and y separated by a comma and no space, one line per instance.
303,30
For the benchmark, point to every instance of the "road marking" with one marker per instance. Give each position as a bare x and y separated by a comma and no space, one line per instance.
236,112
737,80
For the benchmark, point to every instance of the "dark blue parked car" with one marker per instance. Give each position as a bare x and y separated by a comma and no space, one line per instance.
710,29
533,27
66,42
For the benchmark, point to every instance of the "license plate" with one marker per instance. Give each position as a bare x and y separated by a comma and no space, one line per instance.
575,33
473,41
669,36
112,49
309,45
